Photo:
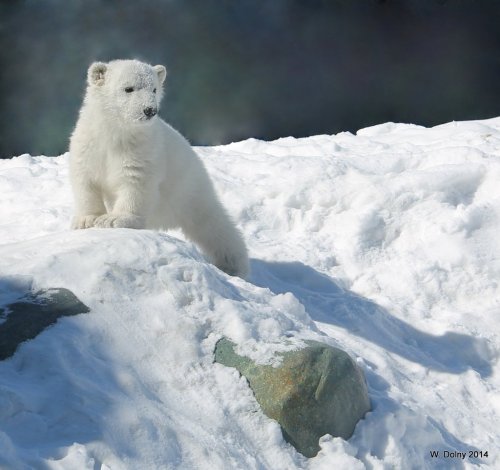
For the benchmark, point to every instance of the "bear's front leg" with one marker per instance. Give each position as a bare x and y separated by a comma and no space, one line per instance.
128,210
88,205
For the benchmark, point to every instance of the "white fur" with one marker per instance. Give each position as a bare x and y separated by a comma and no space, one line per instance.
130,171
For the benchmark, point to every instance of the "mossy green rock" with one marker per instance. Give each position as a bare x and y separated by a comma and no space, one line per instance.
314,391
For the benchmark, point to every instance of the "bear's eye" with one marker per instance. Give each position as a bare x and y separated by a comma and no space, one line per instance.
129,89
154,91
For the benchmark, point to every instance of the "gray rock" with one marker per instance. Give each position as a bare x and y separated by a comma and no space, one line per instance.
314,391
30,315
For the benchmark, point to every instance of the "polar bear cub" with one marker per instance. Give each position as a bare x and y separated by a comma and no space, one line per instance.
128,168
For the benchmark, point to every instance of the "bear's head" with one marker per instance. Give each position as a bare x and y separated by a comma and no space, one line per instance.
127,90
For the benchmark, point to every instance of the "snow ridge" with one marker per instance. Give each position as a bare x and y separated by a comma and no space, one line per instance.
384,243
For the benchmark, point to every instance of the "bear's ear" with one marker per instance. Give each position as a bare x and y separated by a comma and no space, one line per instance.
161,71
95,75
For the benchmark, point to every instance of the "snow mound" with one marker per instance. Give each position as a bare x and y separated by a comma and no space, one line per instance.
383,243
157,310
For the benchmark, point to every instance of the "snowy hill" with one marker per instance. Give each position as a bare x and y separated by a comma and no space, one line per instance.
383,243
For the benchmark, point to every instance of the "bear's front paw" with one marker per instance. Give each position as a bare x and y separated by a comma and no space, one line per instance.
119,221
83,221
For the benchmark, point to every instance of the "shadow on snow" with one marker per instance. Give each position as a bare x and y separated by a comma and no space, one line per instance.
326,302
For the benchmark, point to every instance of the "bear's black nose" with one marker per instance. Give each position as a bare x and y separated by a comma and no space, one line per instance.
150,112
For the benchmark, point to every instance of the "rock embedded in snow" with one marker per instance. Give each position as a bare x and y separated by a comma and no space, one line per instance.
314,391
30,315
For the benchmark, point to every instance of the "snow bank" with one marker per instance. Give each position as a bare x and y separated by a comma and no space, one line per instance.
383,243
133,382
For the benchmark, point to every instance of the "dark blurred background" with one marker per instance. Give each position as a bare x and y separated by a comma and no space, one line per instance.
252,68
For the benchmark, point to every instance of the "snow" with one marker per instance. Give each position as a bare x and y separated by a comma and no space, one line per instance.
384,243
